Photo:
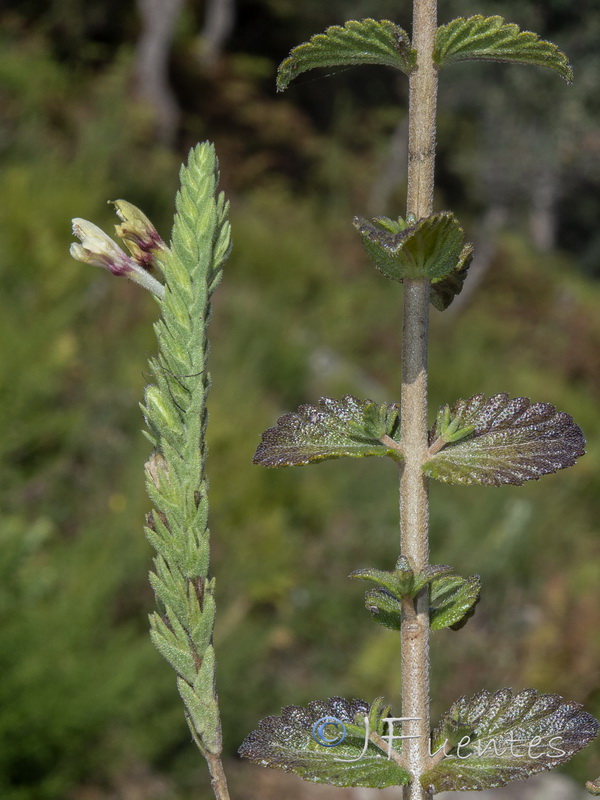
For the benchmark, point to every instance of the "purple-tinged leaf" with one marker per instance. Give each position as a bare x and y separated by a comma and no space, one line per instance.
333,429
325,743
364,41
505,737
512,441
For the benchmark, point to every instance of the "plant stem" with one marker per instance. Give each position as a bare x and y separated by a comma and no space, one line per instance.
414,502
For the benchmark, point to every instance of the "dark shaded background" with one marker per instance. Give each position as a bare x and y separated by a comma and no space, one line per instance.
87,708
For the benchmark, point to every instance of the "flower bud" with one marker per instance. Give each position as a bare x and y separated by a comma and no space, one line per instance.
139,234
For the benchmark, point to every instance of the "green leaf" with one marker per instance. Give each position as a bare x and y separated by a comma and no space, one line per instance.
432,248
358,42
334,428
509,737
512,441
482,38
399,582
291,742
453,600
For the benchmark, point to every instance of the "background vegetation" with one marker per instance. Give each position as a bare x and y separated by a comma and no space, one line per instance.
87,708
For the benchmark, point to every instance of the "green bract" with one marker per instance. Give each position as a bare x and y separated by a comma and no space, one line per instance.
364,41
482,38
433,248
175,412
505,737
512,441
333,429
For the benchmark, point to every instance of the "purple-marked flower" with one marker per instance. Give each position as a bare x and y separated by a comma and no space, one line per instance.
139,234
98,249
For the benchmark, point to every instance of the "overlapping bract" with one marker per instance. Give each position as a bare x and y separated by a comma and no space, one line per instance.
506,737
288,742
175,412
513,441
333,429
480,38
366,41
433,248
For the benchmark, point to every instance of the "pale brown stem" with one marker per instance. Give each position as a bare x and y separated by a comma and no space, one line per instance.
217,776
414,501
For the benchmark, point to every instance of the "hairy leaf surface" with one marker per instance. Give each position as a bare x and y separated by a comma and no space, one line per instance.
364,41
512,441
432,248
333,429
482,38
506,737
289,742
452,598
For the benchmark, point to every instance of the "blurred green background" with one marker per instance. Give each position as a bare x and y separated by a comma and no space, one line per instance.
87,707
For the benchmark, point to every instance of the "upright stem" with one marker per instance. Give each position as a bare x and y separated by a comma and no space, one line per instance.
414,502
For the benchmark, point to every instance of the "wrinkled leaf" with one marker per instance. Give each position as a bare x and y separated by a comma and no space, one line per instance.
508,737
482,38
398,582
334,428
512,441
364,41
432,248
290,742
453,600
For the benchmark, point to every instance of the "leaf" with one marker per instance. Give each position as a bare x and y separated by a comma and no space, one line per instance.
334,428
399,582
432,248
511,737
512,441
358,42
453,600
291,742
482,38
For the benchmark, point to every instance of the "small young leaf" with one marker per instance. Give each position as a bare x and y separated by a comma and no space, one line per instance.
432,248
512,441
509,737
364,41
482,38
453,600
334,428
302,741
399,582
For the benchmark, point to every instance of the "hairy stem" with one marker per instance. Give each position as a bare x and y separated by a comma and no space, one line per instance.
414,502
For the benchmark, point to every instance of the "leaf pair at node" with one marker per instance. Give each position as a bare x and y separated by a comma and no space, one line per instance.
369,41
452,599
433,248
483,440
482,742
